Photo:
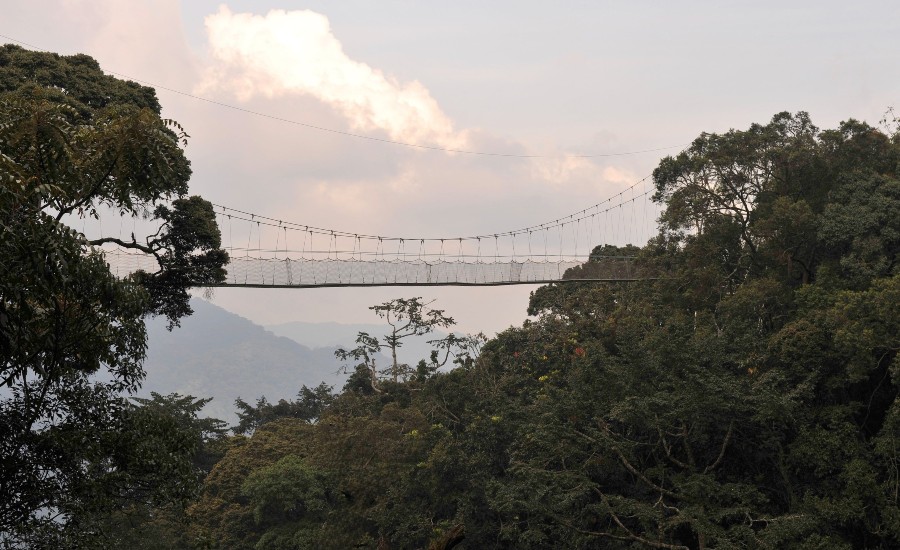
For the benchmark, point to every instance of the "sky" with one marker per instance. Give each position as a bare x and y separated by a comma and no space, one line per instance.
557,80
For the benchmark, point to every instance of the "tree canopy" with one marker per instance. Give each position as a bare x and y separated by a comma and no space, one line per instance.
745,396
72,338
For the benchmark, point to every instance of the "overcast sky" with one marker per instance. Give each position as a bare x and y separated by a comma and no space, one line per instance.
530,78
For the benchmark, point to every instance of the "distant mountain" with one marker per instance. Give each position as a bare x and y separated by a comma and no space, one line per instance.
335,335
323,335
218,354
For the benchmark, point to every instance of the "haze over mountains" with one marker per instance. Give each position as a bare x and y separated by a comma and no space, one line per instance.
218,354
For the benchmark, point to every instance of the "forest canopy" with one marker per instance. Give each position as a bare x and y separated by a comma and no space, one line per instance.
743,395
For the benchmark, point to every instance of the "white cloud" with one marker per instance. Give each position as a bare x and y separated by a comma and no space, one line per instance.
295,52
562,170
572,172
293,60
619,175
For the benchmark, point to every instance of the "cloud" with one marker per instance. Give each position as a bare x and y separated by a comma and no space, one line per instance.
564,169
295,52
291,61
619,175
571,172
125,37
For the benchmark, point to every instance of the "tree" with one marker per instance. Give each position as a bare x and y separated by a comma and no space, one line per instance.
208,433
747,398
289,500
407,318
142,523
78,139
223,516
72,336
308,406
755,201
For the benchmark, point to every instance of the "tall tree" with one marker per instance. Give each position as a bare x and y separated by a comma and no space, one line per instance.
72,337
406,317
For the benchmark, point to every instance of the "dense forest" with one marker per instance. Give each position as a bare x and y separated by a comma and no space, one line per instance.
743,395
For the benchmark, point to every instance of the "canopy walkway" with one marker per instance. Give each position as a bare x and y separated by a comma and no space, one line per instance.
271,253
248,271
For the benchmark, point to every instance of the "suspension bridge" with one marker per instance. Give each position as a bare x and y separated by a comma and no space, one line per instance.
272,253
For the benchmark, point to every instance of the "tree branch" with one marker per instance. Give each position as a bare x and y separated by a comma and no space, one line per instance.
93,191
687,446
631,468
124,244
713,466
631,534
668,451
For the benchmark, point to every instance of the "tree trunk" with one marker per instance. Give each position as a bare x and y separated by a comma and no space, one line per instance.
394,368
450,539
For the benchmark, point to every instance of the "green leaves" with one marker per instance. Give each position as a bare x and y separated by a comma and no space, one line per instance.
286,491
308,406
188,252
72,336
747,398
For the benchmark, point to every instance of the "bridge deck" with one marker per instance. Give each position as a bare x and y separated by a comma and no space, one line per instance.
360,285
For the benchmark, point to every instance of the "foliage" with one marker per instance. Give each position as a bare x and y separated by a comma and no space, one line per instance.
734,403
308,406
743,395
222,517
208,433
72,338
407,317
290,496
142,523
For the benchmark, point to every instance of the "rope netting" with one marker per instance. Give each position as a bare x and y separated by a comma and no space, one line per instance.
265,251
287,272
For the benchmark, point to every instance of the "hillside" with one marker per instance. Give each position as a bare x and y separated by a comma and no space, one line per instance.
218,354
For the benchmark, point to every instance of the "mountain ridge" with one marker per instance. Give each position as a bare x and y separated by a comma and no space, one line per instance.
219,354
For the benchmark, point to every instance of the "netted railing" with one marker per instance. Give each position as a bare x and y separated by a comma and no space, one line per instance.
269,252
247,271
